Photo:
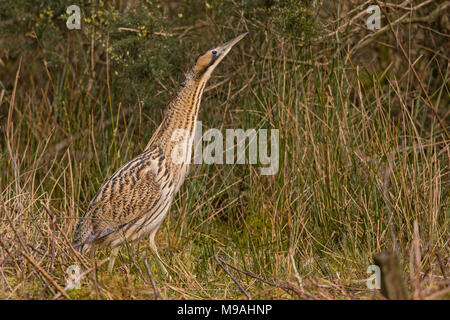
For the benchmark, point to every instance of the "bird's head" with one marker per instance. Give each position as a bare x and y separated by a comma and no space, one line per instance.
206,62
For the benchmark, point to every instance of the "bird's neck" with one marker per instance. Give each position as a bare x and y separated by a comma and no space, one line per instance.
181,115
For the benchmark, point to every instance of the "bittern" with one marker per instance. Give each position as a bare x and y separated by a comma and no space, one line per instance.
134,201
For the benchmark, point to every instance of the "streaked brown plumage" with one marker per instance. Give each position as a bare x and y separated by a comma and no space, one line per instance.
134,201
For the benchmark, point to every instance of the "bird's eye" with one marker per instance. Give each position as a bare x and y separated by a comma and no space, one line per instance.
214,52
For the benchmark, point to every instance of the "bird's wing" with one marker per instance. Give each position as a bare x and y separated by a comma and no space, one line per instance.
131,192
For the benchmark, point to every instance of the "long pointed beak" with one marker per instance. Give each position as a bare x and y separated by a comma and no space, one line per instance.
232,42
226,47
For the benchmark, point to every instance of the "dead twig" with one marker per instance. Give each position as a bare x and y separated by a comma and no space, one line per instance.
250,274
232,278
45,274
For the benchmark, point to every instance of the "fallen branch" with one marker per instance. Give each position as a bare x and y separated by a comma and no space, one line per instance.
250,274
232,278
46,275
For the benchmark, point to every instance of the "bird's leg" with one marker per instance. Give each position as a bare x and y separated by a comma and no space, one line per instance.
92,252
112,259
156,254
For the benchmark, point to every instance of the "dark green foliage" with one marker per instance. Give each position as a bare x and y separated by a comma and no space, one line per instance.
295,18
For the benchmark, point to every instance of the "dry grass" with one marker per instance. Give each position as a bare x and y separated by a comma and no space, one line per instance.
364,166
